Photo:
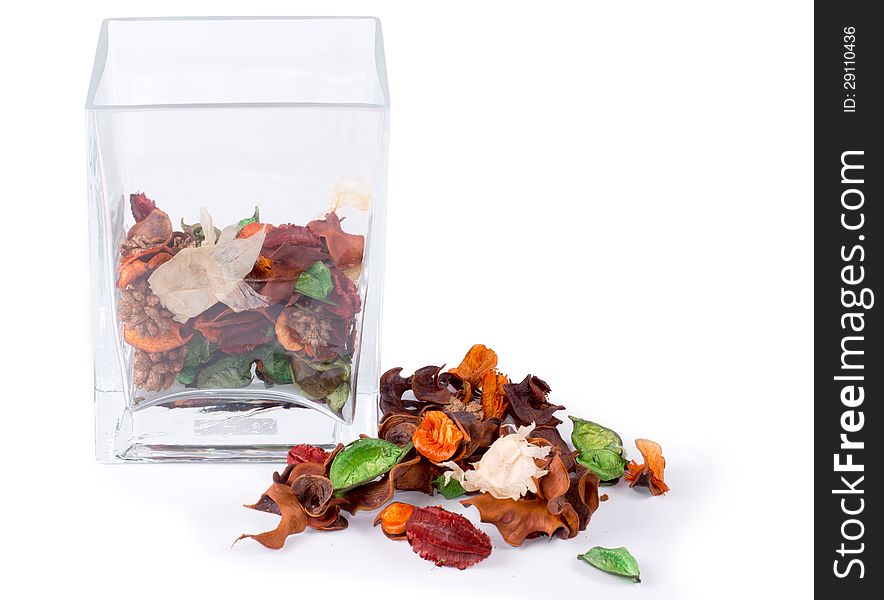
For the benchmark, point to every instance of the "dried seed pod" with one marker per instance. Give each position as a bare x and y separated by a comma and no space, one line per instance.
446,538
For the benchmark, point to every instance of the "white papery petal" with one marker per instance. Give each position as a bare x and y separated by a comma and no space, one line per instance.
196,278
506,470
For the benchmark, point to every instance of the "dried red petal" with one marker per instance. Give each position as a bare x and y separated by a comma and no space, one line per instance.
445,538
305,453
141,206
235,332
289,235
346,248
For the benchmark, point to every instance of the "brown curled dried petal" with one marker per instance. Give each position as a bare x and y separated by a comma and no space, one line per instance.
392,387
417,477
516,520
528,403
372,496
314,493
398,428
292,519
552,435
429,386
556,481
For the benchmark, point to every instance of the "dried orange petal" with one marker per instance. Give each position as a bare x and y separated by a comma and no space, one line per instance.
286,335
168,340
394,518
437,437
251,229
478,361
651,472
493,397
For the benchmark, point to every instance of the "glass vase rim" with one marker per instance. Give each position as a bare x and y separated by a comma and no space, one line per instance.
101,54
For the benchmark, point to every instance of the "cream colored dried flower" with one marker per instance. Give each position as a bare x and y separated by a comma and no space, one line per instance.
506,470
198,277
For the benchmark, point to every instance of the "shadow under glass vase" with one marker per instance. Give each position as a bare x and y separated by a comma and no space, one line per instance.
236,181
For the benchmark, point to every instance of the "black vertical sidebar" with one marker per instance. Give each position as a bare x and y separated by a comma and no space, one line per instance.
848,270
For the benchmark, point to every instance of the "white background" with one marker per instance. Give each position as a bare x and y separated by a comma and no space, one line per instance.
615,196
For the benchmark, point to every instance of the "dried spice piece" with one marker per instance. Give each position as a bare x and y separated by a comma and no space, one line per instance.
394,518
141,311
472,408
437,437
650,473
617,561
506,470
155,371
362,461
305,453
528,402
478,361
445,538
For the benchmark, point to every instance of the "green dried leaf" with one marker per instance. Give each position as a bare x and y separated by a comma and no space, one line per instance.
256,218
452,489
588,436
227,372
319,380
316,282
199,351
338,398
275,366
617,561
196,231
363,460
605,463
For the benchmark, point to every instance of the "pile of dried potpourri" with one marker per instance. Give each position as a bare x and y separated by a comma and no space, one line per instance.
201,307
469,432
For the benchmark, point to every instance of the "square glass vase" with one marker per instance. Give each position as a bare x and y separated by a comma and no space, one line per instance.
236,182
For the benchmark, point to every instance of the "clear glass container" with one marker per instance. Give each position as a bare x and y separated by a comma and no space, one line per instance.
236,181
